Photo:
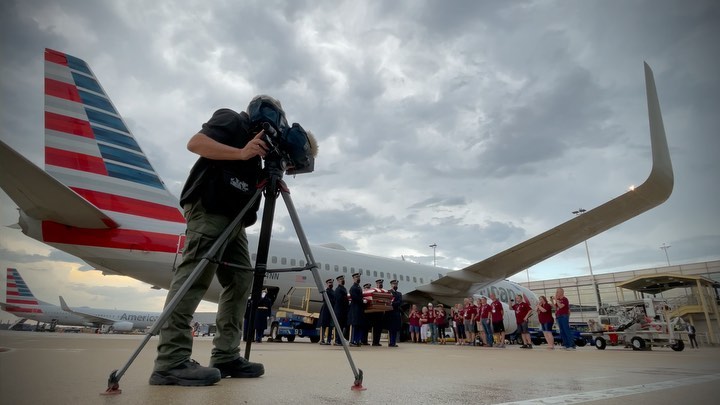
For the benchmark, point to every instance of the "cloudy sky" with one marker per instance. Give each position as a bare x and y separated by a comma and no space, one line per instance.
473,125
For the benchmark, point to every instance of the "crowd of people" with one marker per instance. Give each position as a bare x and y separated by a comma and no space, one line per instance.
474,322
481,321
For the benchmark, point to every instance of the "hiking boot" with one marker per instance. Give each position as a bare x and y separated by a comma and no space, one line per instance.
189,374
240,368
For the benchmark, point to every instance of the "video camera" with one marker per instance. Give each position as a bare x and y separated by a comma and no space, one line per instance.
290,145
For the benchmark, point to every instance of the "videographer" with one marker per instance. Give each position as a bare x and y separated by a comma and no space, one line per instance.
220,184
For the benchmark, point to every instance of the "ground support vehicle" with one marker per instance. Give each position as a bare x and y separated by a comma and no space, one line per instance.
293,318
640,325
291,323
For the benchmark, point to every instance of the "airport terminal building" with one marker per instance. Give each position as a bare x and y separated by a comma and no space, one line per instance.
691,290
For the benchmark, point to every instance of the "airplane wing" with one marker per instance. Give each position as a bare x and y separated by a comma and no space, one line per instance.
43,197
94,319
653,192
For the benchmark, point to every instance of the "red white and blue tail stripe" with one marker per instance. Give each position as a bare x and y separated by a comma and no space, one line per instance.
18,295
89,148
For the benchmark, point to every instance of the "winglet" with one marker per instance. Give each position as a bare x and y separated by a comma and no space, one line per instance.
654,191
661,175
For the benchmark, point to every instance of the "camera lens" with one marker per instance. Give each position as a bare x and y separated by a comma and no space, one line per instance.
269,130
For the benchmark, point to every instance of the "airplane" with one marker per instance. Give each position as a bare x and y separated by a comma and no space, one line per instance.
100,199
22,303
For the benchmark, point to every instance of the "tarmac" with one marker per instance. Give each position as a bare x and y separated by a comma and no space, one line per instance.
65,368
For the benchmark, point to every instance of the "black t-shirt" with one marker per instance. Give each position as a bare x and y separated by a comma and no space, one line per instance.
230,128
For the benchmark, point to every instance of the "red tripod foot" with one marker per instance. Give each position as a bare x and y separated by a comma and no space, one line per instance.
357,385
113,385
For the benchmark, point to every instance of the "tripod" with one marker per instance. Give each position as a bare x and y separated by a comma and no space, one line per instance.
272,186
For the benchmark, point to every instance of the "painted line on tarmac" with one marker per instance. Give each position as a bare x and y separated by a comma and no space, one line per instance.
581,397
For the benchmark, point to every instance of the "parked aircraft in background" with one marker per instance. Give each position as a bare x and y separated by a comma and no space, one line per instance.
21,302
100,199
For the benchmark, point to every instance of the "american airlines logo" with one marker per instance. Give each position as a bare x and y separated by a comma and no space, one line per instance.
138,318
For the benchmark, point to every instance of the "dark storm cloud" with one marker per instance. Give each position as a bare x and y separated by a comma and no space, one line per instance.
473,125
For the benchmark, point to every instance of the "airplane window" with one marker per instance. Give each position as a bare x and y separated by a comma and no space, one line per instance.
414,279
382,274
374,274
344,269
283,260
292,262
395,276
274,259
327,267
337,268
367,272
421,281
302,262
352,269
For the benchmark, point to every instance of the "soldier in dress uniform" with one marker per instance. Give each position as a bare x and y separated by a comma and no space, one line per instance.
366,320
326,322
356,316
377,319
342,306
395,316
261,315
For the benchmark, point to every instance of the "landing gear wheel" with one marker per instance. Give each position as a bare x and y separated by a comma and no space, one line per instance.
678,346
600,343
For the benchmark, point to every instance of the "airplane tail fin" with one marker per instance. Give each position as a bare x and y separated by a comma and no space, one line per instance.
89,148
98,187
18,296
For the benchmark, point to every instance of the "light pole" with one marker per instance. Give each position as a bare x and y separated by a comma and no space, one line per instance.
598,301
665,248
434,246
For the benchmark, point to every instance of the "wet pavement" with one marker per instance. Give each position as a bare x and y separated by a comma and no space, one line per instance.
73,369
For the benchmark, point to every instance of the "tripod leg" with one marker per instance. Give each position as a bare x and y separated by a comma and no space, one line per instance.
262,256
357,385
116,375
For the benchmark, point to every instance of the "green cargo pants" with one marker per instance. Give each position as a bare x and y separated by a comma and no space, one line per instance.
175,345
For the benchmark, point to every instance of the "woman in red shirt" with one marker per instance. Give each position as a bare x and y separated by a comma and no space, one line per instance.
441,322
423,324
544,310
459,318
414,319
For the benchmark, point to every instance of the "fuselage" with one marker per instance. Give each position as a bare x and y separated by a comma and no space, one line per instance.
155,268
